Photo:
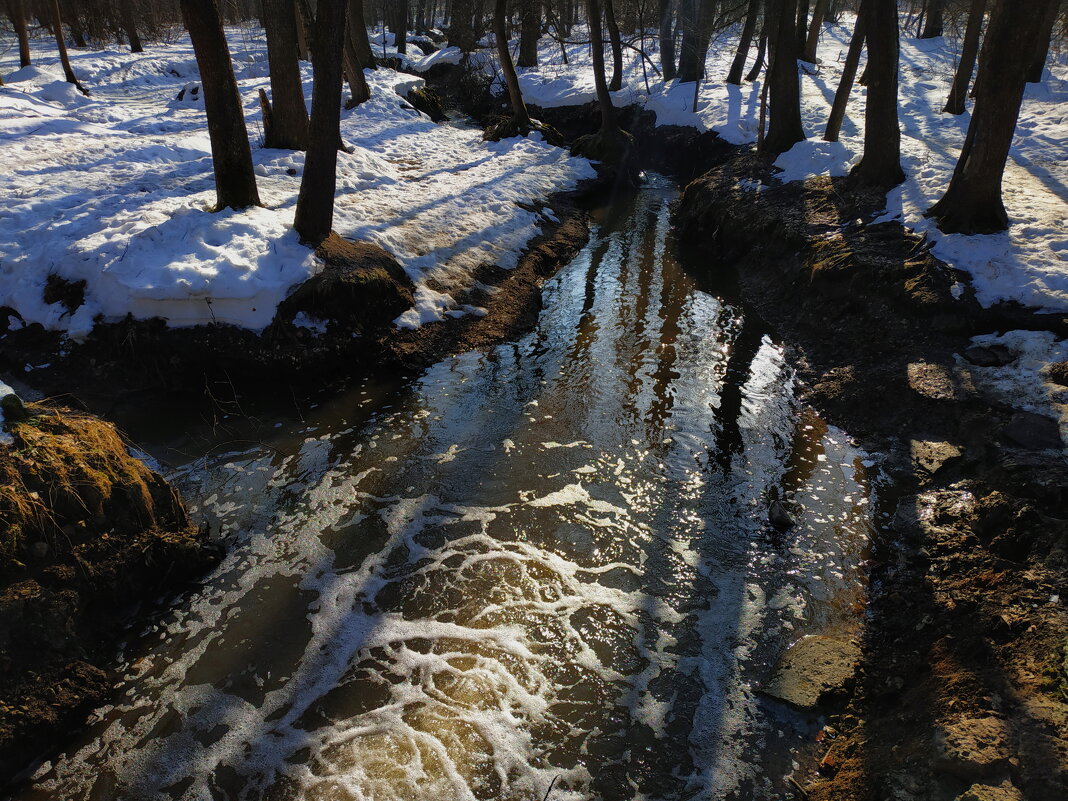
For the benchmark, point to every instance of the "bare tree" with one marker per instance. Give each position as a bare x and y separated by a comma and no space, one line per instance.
740,55
667,39
972,203
235,182
616,43
68,71
288,127
129,24
814,29
969,50
315,204
1038,63
784,94
880,166
358,35
934,22
520,122
529,32
845,83
17,11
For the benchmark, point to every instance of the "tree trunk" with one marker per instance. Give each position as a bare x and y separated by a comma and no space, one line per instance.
359,91
604,99
529,32
235,182
617,47
305,28
814,29
129,24
462,26
1038,63
358,33
697,30
933,24
17,12
762,49
969,50
289,129
315,204
802,26
68,71
751,14
400,25
881,164
76,32
511,80
784,126
845,84
667,39
972,203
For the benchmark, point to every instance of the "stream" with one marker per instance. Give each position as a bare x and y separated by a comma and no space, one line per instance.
549,564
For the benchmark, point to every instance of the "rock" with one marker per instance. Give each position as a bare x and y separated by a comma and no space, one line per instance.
429,102
12,408
812,670
988,792
1058,373
780,517
973,748
1033,432
989,355
930,457
934,381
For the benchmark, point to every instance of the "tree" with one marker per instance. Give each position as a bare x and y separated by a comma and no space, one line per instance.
616,43
802,25
315,204
129,24
784,94
740,55
529,32
235,182
814,28
972,203
17,11
845,83
68,71
933,24
1038,63
288,128
880,166
667,39
695,17
969,50
520,122
358,34
462,31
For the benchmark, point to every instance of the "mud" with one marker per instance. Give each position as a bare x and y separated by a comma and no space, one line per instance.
961,689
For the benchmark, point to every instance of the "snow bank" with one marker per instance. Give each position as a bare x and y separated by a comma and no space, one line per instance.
115,190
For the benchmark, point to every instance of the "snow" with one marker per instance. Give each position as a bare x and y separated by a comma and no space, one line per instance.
116,189
1026,264
1024,383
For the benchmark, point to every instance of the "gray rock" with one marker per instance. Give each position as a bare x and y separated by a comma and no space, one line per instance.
930,457
813,669
989,355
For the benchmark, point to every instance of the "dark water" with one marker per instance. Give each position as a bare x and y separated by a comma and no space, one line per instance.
549,562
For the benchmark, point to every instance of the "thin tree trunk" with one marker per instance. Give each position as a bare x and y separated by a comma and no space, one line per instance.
359,91
129,24
289,129
751,14
529,32
784,94
358,33
315,204
845,84
76,31
617,46
972,203
17,12
400,25
969,50
68,71
604,99
235,181
1038,63
667,39
300,14
933,24
519,109
802,25
880,165
814,29
762,49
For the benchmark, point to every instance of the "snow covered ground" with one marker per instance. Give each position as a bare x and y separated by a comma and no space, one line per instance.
115,189
1028,263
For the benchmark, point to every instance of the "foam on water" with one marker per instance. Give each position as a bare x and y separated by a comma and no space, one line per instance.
547,562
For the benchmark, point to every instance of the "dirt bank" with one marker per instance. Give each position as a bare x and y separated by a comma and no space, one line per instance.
87,535
962,686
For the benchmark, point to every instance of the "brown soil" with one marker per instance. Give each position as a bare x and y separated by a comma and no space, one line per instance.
962,686
86,532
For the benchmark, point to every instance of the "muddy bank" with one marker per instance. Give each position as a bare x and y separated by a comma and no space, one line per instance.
88,535
351,304
962,685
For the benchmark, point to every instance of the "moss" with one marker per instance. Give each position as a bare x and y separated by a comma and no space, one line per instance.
428,101
68,474
508,127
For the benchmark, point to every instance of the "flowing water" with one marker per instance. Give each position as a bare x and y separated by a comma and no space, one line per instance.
548,564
